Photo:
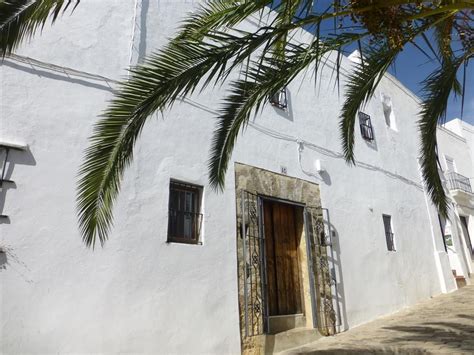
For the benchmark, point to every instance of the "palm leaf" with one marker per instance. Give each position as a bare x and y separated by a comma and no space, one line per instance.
437,88
155,85
266,77
207,49
152,86
218,14
21,19
363,81
360,87
246,96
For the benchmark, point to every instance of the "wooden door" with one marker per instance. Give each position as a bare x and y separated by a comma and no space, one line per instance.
283,269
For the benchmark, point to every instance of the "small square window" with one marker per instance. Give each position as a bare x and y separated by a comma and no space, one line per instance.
280,99
184,213
387,223
366,127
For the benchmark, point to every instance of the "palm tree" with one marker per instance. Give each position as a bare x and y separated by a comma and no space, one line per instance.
209,47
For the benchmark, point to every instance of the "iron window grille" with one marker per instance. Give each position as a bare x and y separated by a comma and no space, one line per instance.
389,238
366,127
184,213
280,99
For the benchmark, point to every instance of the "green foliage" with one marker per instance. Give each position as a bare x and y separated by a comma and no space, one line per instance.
166,76
21,19
437,88
263,78
210,46
361,85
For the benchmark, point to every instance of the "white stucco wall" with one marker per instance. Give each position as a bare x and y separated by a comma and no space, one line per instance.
465,130
455,145
455,141
140,294
468,134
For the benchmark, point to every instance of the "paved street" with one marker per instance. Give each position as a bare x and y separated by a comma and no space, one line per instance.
442,325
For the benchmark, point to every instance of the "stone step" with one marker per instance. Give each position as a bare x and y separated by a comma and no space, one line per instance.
280,324
275,343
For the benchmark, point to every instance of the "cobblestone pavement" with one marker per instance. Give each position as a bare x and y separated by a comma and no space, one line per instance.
441,325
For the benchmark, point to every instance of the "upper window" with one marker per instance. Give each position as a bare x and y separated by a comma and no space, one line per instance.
388,112
366,127
280,99
387,223
450,165
184,215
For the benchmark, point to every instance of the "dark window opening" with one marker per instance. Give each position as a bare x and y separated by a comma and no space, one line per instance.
387,223
184,213
366,126
280,99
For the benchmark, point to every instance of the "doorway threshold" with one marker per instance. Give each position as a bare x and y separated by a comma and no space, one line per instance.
281,323
290,339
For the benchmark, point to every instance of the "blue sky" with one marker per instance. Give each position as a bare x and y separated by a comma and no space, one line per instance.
412,67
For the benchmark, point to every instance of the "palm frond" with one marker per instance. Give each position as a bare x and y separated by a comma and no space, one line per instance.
246,96
207,50
437,88
430,46
235,113
155,85
443,32
360,87
266,77
219,14
21,19
287,11
363,81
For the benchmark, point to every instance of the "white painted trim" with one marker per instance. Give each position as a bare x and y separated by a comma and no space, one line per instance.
20,146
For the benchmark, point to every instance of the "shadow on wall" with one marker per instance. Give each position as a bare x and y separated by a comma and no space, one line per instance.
24,157
60,77
9,260
3,259
326,177
335,262
373,143
145,5
321,175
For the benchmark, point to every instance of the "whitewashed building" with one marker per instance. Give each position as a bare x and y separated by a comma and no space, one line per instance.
456,157
188,270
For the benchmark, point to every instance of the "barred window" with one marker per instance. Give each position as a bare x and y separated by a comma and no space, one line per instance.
279,99
184,214
366,126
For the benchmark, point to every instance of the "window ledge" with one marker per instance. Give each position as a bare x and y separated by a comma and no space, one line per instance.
183,242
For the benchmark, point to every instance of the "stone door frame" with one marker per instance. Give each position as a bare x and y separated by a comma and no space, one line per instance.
255,182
